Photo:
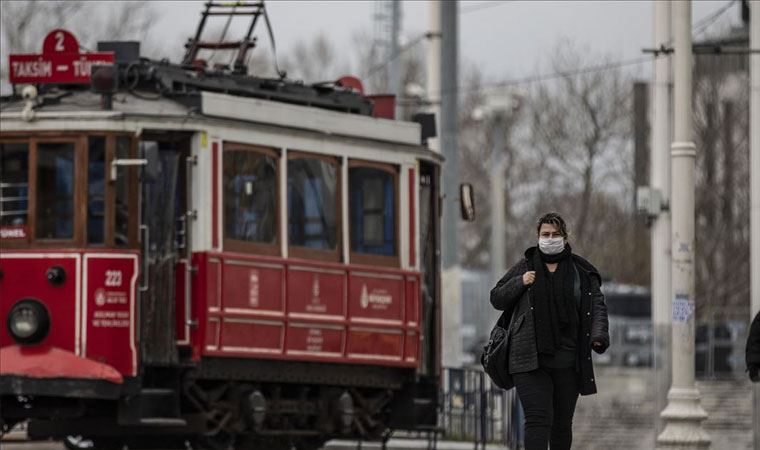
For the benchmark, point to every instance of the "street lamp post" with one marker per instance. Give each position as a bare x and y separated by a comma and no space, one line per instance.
660,181
754,174
684,414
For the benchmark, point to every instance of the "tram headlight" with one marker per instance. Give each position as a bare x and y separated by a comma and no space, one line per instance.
28,322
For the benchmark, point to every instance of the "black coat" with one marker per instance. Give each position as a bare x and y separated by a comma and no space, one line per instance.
511,294
753,343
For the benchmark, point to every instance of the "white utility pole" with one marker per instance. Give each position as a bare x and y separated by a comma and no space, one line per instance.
754,183
498,246
449,138
660,181
394,76
684,414
442,96
434,69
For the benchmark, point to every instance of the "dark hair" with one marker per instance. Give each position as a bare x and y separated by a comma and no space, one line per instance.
555,219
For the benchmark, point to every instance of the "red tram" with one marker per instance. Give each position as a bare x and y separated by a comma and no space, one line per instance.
196,254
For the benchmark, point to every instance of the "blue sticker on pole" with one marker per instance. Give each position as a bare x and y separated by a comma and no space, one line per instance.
683,308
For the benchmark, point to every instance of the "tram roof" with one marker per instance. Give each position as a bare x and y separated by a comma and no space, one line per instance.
74,103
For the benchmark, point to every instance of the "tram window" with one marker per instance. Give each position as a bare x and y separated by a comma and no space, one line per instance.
55,191
312,203
250,196
96,158
121,188
14,184
373,211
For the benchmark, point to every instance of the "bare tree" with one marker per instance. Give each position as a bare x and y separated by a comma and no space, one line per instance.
722,195
580,139
476,145
26,22
581,128
315,60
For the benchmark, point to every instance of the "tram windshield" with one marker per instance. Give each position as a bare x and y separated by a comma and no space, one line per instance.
43,179
14,188
55,191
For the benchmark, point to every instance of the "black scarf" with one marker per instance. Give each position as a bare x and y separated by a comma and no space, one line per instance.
553,303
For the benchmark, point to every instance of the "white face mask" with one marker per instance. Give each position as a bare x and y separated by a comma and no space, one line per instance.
551,246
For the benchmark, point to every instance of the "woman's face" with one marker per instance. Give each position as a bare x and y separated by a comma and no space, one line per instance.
548,230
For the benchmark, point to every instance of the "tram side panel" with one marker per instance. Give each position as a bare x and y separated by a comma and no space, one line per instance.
265,307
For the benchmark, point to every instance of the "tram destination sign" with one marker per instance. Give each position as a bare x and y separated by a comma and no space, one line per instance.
59,63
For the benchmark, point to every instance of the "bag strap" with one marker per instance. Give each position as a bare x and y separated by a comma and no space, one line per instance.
576,284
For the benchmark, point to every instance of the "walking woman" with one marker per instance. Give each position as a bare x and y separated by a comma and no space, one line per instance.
558,316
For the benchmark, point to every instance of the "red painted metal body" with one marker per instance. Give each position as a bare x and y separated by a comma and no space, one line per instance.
93,313
268,307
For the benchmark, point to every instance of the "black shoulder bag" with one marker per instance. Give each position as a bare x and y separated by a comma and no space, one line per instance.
495,358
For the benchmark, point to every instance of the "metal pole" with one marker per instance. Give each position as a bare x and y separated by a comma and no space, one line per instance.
483,410
497,200
754,174
684,414
434,68
394,78
660,180
451,273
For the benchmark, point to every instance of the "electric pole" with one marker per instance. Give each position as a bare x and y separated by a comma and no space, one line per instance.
754,175
660,182
394,77
498,248
684,414
448,79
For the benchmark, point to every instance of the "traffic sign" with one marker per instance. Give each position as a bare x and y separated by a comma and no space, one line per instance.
60,62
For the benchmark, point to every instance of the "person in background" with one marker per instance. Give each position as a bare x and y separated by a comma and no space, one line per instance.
753,350
558,315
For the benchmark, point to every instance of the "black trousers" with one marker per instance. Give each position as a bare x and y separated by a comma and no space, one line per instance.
548,397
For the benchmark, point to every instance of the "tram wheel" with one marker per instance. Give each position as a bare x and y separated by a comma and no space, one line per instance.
83,443
220,441
314,443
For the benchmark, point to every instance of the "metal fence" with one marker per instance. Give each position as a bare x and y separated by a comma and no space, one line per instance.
719,346
473,409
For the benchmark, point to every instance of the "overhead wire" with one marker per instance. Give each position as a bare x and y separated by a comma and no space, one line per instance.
698,27
411,44
548,76
464,10
702,25
481,6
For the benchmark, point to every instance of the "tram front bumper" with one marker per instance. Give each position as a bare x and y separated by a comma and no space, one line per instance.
53,372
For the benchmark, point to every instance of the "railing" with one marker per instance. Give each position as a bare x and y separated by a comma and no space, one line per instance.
13,193
719,345
473,409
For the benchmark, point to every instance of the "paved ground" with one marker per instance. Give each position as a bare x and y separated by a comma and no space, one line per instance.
393,444
620,417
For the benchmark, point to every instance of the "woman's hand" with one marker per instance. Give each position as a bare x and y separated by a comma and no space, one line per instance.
529,277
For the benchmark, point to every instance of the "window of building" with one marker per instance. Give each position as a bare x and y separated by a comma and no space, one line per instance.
373,205
14,185
250,198
313,212
55,191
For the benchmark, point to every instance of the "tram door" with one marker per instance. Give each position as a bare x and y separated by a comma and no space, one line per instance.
430,262
164,205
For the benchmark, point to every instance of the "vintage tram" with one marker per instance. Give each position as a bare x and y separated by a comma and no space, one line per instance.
195,254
